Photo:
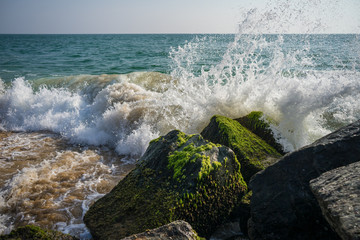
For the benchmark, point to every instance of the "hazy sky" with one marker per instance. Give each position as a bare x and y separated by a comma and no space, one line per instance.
179,16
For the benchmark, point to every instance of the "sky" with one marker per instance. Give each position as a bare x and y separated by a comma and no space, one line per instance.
179,16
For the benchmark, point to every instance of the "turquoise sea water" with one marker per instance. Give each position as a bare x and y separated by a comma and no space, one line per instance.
229,67
95,101
35,56
38,56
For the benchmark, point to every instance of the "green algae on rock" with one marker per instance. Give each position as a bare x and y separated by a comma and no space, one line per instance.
253,153
35,233
259,124
180,177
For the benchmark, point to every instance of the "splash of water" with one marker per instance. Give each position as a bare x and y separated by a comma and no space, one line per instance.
306,96
290,16
256,73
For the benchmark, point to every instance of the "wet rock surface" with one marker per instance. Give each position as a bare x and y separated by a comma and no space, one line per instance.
259,124
178,230
253,153
35,233
282,204
338,194
179,177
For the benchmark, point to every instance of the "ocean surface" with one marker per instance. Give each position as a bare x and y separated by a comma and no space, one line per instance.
77,111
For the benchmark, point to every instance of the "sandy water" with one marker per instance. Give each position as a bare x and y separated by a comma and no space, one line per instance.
47,181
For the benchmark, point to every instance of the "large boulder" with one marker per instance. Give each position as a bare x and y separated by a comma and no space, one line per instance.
178,230
338,194
35,233
259,124
179,177
282,204
253,153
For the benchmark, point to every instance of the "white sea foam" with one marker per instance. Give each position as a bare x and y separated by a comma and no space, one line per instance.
113,115
56,189
127,111
307,104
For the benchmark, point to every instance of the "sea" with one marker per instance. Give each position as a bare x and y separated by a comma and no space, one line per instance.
78,111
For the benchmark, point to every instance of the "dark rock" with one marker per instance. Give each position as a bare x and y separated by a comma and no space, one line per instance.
259,124
228,231
178,177
178,230
253,153
243,211
35,233
282,204
338,194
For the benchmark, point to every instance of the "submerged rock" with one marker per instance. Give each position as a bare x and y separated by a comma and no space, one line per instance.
338,194
36,233
179,177
282,204
253,153
259,124
178,230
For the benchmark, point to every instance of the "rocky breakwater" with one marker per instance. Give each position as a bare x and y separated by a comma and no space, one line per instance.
179,177
283,205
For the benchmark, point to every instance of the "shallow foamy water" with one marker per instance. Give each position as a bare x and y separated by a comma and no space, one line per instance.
45,180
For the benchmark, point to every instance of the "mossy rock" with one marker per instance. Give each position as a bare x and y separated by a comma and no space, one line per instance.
35,233
259,124
253,153
180,177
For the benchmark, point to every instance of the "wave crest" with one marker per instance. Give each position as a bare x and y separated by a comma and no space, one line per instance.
268,73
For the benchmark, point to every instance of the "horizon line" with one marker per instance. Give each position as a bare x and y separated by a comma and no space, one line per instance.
177,33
